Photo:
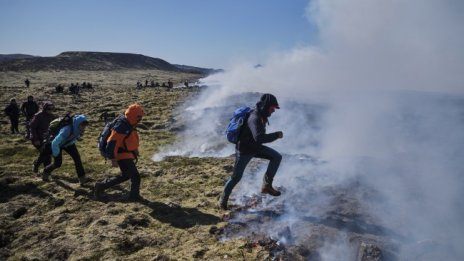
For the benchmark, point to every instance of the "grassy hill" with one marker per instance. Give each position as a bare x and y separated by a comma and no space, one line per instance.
93,61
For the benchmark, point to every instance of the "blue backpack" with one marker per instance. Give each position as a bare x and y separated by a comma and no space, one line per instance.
236,122
106,132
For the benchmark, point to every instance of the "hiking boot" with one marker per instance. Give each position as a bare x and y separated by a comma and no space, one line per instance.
268,189
137,198
83,180
98,190
45,176
222,204
35,167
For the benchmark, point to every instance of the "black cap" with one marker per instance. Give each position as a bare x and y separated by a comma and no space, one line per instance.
269,100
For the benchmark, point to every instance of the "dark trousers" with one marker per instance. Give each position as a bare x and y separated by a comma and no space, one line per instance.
14,124
242,160
58,160
128,171
46,159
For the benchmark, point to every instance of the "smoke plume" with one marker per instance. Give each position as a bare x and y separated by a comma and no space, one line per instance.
373,114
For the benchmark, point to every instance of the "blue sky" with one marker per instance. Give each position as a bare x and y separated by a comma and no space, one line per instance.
203,33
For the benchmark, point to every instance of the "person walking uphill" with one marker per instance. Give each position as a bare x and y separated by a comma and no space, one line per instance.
65,140
249,145
12,111
38,131
122,149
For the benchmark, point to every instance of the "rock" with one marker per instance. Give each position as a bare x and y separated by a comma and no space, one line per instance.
369,252
199,253
158,126
19,212
159,173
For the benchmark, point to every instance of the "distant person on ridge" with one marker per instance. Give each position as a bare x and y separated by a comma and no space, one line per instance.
38,131
65,140
12,111
249,145
122,149
27,82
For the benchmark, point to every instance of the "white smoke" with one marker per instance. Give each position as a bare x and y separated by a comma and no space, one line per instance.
379,100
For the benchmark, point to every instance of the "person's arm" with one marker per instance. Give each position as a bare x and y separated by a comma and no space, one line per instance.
259,133
60,139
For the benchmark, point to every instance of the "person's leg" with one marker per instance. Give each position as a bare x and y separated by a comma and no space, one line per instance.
74,153
57,161
128,166
15,124
12,125
274,162
241,161
45,152
112,181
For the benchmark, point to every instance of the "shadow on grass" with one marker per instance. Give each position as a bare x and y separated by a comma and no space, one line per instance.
176,216
179,217
9,189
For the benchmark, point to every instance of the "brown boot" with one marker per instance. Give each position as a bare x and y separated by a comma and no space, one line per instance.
268,189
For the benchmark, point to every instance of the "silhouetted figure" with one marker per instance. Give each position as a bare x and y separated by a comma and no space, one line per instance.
59,88
29,108
146,83
186,84
163,84
12,111
152,84
74,89
27,82
170,84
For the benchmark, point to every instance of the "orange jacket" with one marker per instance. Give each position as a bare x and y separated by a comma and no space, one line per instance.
124,140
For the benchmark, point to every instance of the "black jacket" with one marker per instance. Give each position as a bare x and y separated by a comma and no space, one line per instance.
12,111
29,108
253,134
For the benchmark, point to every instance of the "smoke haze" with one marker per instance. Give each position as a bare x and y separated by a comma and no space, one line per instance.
378,102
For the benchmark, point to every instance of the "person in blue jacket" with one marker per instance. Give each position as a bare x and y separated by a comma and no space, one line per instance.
65,140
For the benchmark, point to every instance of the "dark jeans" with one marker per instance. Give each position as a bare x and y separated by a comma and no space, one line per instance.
14,124
128,171
58,160
242,160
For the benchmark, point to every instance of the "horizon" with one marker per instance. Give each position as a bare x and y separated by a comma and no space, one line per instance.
209,35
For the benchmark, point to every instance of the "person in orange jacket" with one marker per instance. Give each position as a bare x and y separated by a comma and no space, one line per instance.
122,149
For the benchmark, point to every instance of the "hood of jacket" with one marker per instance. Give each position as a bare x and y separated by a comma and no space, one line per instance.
77,120
46,105
133,113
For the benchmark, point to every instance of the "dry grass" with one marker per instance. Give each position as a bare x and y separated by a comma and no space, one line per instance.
60,220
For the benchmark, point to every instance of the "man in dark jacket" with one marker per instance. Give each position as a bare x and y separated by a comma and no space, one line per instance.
250,145
12,111
29,108
38,131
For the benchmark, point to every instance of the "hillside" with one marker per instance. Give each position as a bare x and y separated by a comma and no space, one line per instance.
8,57
93,61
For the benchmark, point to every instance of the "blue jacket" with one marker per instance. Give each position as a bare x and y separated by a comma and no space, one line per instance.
66,137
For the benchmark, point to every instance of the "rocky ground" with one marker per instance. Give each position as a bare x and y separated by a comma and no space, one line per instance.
178,218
